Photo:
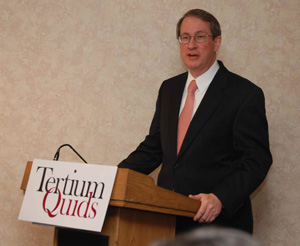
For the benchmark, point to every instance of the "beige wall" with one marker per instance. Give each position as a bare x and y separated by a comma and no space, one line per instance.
87,73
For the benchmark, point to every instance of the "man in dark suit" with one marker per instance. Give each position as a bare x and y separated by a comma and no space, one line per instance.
224,155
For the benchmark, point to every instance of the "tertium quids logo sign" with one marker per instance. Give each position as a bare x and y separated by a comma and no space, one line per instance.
68,194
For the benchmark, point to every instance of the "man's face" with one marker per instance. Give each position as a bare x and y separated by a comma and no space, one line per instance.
198,57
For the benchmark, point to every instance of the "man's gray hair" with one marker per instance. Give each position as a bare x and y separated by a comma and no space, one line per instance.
215,27
211,236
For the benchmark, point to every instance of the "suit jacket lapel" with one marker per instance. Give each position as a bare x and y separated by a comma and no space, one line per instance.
211,100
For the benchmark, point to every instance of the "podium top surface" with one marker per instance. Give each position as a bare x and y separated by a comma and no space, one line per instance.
138,191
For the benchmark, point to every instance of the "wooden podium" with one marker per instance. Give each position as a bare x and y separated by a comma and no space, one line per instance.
139,212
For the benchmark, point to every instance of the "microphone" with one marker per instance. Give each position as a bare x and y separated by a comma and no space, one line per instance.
56,156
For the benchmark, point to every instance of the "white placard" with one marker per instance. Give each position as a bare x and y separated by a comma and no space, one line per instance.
68,194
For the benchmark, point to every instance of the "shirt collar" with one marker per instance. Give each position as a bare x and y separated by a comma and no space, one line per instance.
204,80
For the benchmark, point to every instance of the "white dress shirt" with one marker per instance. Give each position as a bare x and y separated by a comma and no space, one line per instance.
203,81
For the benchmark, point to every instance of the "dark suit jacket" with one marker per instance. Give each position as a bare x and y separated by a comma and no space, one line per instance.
225,151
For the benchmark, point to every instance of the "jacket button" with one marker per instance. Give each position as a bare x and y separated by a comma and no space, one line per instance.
176,165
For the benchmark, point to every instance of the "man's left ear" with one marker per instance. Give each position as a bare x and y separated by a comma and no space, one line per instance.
217,43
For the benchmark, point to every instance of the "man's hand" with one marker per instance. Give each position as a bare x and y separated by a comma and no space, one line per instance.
210,207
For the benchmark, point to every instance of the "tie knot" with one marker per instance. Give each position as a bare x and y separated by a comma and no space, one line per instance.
193,86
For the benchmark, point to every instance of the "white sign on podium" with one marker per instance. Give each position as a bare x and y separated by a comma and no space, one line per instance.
67,194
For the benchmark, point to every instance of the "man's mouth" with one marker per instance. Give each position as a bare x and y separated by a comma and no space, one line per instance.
192,55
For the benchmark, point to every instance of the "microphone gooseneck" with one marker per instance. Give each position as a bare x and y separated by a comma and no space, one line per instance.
56,156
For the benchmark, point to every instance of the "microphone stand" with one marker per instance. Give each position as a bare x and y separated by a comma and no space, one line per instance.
56,156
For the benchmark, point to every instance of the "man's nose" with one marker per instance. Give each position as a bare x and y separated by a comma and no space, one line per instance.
192,44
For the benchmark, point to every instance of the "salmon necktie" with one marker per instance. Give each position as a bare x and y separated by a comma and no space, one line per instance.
186,114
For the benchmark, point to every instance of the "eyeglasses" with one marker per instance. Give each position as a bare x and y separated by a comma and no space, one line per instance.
199,38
